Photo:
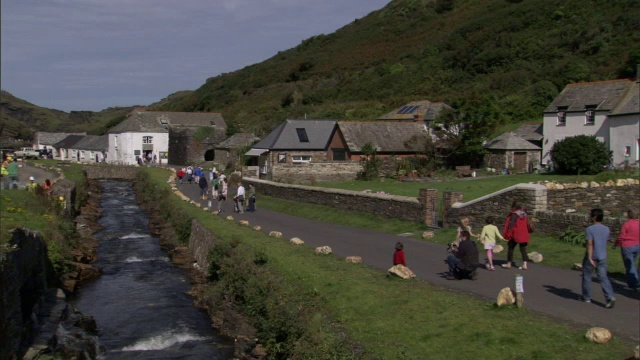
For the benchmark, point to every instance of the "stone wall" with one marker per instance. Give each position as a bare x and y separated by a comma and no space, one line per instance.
23,284
614,197
389,206
185,150
310,173
111,172
201,241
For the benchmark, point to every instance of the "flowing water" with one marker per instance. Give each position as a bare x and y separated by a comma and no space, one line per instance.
140,302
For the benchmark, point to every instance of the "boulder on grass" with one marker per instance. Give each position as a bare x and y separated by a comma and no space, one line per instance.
506,297
244,222
576,266
598,335
536,257
230,218
428,235
323,250
498,249
275,234
354,259
296,241
257,228
401,271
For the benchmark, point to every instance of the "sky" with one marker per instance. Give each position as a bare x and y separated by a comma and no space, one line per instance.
94,54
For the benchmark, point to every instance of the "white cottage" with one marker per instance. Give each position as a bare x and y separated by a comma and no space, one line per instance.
608,110
141,137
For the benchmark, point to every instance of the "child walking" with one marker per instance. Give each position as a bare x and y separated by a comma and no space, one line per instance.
398,255
463,226
488,238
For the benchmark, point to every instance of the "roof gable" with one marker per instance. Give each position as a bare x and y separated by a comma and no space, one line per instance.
630,103
605,95
238,141
160,121
286,135
510,141
385,136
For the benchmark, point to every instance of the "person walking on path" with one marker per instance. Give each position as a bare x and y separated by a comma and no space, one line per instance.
222,193
240,194
463,226
488,238
12,170
251,194
516,232
204,187
463,261
398,255
596,257
629,242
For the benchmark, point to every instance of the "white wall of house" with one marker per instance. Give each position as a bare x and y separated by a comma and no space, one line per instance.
625,133
575,124
124,148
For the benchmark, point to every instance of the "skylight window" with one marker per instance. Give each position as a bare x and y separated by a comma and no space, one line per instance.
302,135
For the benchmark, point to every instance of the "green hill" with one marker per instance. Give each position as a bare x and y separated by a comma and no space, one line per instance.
514,54
19,119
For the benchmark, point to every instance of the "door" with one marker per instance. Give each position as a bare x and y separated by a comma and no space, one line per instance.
520,162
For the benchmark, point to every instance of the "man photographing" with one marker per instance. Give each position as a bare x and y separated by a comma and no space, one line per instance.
463,261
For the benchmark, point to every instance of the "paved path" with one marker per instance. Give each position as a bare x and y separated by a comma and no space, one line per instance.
551,291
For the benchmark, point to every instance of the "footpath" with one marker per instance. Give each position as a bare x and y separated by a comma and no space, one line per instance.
550,291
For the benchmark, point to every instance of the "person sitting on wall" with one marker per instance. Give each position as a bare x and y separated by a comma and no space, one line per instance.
463,260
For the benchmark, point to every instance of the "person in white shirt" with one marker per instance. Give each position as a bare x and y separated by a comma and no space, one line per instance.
240,197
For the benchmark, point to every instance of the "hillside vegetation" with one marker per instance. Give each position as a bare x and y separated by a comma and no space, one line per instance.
19,119
515,55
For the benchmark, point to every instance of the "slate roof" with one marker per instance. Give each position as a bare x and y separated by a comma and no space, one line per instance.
630,103
386,136
93,143
530,132
285,135
50,138
604,94
160,121
425,109
238,141
510,141
68,142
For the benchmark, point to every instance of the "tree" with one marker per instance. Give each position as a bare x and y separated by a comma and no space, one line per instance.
370,163
461,133
581,155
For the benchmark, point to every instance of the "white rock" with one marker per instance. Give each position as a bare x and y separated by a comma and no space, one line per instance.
229,217
598,335
401,271
498,249
536,257
428,234
257,228
506,297
244,222
621,182
275,234
354,259
323,250
296,241
594,184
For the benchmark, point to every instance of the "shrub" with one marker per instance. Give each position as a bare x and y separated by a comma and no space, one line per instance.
573,237
370,163
580,155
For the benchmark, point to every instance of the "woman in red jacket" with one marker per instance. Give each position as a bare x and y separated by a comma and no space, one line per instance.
516,231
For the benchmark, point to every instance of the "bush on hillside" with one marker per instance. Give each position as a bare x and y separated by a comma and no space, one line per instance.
580,155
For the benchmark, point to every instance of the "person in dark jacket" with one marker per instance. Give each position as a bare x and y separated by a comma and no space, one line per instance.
204,186
516,231
463,261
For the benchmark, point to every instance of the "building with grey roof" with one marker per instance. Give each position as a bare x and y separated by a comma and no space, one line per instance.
608,110
231,150
45,140
510,151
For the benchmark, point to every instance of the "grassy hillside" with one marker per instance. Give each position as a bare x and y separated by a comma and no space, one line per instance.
19,119
516,54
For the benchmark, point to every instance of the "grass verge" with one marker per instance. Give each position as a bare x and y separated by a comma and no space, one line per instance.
389,318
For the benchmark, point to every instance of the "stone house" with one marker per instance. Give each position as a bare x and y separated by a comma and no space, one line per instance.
64,148
608,110
44,140
231,150
169,137
90,149
510,151
389,138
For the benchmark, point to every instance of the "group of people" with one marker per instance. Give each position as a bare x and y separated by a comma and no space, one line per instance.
216,188
463,260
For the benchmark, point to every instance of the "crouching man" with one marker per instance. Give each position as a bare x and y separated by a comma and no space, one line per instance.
463,260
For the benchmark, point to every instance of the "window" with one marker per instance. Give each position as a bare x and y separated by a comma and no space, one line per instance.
590,115
302,135
562,116
339,154
147,139
282,158
300,159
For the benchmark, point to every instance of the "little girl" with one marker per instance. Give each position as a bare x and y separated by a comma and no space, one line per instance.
464,226
398,255
488,237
